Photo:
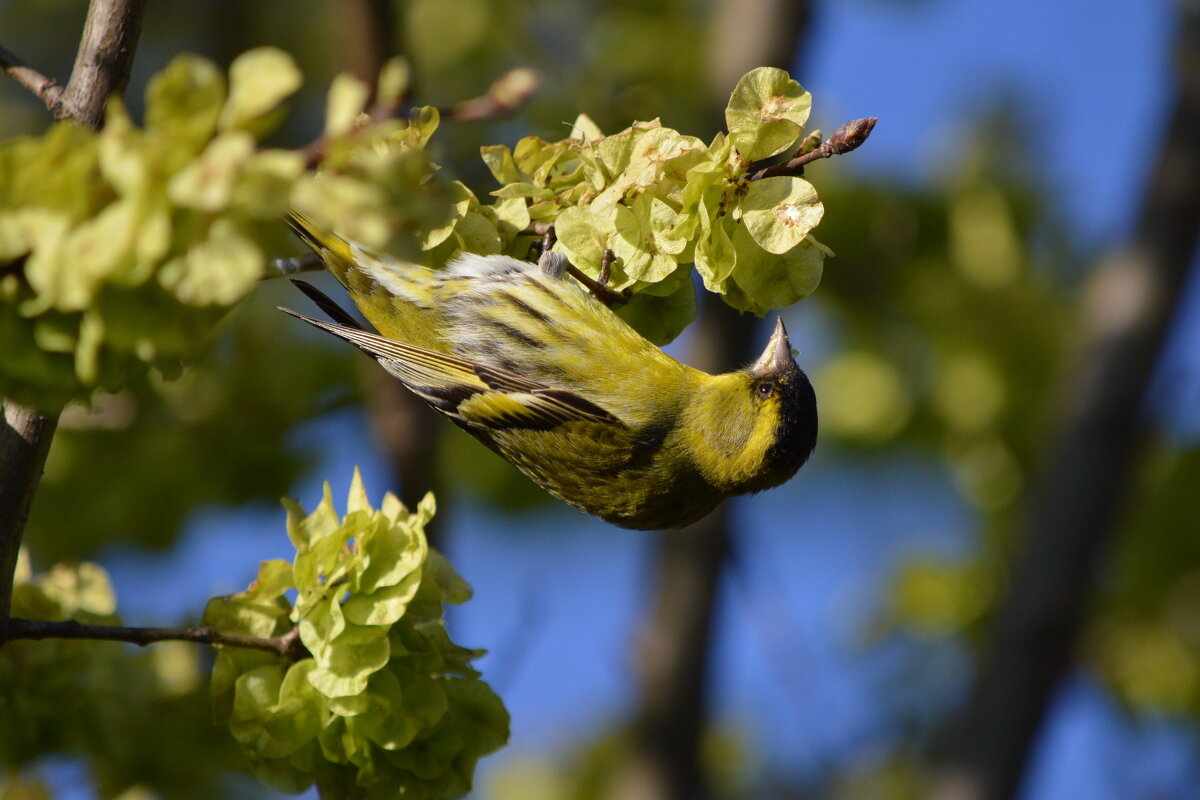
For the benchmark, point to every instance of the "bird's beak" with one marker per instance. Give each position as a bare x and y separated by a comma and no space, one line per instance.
778,354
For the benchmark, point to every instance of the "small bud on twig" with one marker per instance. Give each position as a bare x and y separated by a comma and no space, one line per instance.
849,136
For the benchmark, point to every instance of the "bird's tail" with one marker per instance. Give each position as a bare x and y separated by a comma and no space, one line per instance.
383,288
338,254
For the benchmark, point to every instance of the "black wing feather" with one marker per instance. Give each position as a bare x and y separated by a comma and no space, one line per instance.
326,304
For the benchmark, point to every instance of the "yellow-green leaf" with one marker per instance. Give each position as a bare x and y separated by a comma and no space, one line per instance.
583,235
263,189
766,113
259,80
779,212
394,80
184,101
346,101
217,271
207,183
772,280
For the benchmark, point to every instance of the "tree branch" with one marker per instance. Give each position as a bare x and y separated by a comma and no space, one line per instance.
101,68
24,441
287,645
103,61
45,89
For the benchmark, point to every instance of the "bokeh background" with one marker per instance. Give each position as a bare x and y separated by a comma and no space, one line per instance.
987,581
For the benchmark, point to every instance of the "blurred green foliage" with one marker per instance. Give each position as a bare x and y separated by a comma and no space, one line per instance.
222,428
958,312
1146,635
121,249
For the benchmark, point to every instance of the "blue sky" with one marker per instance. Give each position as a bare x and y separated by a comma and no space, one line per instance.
559,596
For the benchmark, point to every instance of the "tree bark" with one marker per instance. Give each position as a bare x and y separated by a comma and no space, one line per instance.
103,61
24,441
102,66
1075,507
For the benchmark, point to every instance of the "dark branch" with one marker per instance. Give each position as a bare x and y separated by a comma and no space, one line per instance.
45,89
101,68
599,290
287,645
24,442
846,138
284,267
367,35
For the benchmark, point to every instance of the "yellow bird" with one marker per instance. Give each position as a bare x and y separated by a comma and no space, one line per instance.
529,362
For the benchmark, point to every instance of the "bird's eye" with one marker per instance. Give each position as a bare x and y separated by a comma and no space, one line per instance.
765,388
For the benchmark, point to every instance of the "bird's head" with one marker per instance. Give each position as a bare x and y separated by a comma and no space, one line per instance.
753,428
784,394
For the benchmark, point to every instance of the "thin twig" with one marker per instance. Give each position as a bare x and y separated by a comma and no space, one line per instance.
44,88
504,97
849,136
284,267
606,262
287,645
599,289
602,293
506,94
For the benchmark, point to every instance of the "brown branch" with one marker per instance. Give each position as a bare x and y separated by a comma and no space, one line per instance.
24,442
103,61
45,89
101,67
850,136
287,645
598,288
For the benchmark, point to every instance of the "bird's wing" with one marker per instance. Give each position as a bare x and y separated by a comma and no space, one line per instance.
478,395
